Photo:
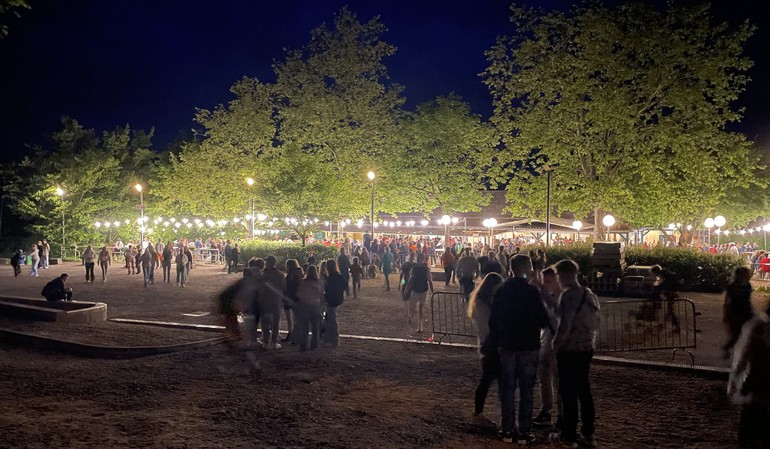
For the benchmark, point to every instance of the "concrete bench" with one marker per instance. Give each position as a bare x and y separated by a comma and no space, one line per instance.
59,311
54,261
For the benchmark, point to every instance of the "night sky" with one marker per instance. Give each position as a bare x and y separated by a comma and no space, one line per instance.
151,63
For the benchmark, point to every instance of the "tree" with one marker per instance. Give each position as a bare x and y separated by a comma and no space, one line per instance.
441,165
12,7
628,106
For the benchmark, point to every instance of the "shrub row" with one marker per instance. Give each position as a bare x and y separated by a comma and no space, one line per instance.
698,271
284,251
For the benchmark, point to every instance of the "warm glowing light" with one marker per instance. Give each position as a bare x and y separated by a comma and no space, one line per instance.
455,220
138,187
577,224
608,220
59,191
719,221
370,175
98,224
250,181
709,223
424,222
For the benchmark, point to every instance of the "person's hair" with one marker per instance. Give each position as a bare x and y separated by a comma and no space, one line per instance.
252,262
271,261
64,275
342,251
355,261
742,273
520,260
567,266
260,263
549,271
312,273
331,266
484,293
297,273
291,264
387,249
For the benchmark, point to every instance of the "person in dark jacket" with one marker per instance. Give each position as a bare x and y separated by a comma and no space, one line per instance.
517,316
16,262
56,291
737,309
343,265
335,291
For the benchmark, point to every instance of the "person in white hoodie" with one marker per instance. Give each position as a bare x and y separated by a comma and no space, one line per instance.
574,344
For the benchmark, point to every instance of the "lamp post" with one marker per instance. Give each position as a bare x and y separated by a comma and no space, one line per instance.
138,188
548,171
490,223
250,182
445,220
60,194
719,221
709,223
370,175
608,221
766,228
577,224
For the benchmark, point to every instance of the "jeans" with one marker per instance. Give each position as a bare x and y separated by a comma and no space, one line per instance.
166,272
490,370
332,330
574,386
448,274
387,279
308,321
90,271
549,380
34,266
517,368
103,265
44,261
181,274
270,319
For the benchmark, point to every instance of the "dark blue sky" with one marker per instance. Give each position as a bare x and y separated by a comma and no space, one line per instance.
151,63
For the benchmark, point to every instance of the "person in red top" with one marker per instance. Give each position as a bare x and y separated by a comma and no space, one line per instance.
449,262
764,267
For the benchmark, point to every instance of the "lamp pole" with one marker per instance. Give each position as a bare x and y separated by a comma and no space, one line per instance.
60,193
139,189
370,175
250,182
719,221
548,171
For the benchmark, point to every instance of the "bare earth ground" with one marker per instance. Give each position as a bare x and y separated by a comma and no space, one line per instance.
363,394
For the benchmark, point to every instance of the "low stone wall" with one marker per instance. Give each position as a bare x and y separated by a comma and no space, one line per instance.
59,311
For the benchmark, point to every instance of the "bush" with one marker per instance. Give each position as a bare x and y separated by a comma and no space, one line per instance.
697,270
284,251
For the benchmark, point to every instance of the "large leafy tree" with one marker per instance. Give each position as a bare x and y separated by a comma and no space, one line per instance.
441,164
627,105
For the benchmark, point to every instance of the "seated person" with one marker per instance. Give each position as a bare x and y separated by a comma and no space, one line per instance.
56,291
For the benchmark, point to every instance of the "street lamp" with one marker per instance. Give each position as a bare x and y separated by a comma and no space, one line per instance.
577,224
719,221
60,194
490,223
139,189
445,220
608,221
370,175
250,182
548,171
766,228
709,223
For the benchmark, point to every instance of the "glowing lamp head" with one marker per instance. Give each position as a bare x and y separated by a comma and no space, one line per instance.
138,187
445,219
709,223
608,220
766,227
719,221
370,175
250,181
577,224
59,191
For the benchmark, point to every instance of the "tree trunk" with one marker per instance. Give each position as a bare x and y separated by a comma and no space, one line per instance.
597,224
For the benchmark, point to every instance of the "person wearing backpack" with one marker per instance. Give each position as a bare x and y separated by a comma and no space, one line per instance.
574,343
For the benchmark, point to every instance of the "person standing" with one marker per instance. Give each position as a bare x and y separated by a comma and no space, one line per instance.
166,258
479,310
89,257
181,267
130,255
574,344
146,260
34,257
356,272
737,308
228,256
271,291
419,286
104,261
308,310
448,261
343,263
467,270
334,295
517,316
387,266
45,251
546,369
16,260
294,275
365,260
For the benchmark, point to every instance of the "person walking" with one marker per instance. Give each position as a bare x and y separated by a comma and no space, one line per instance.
294,275
167,256
334,295
89,257
104,261
448,261
737,308
310,294
479,310
517,316
181,267
419,286
146,260
45,252
467,270
130,255
365,260
343,264
356,272
574,344
16,261
271,291
34,257
546,369
387,266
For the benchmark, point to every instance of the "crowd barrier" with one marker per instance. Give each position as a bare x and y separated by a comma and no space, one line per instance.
448,312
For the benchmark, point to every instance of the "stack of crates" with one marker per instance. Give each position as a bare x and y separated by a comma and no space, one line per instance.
609,262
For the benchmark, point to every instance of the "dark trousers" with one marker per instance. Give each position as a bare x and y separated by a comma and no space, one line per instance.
16,270
167,273
753,430
90,271
490,370
103,265
466,286
232,265
574,387
448,274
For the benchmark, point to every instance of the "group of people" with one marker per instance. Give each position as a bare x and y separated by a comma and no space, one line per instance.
537,326
38,258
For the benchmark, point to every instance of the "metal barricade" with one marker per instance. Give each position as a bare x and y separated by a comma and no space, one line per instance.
449,316
642,325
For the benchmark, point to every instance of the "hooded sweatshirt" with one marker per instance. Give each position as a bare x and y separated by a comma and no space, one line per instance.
577,324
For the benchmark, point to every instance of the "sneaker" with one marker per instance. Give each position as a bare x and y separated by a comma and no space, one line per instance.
508,437
543,419
526,438
589,441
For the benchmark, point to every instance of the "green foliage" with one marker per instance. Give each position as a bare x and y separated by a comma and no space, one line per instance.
284,251
628,105
13,7
699,271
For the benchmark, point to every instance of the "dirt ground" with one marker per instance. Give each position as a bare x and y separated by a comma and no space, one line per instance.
362,394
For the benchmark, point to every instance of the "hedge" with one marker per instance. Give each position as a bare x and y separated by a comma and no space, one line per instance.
284,251
698,271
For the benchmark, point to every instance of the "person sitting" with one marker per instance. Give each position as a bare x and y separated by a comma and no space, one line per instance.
56,291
